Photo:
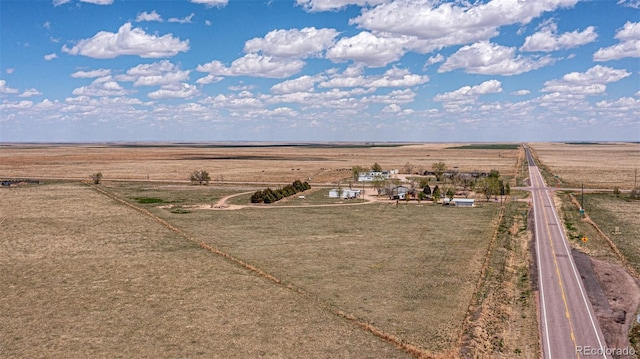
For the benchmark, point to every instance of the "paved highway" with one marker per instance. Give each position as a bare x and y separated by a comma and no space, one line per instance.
568,325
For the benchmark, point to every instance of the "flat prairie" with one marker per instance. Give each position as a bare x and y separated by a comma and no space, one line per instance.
84,276
123,272
597,165
258,163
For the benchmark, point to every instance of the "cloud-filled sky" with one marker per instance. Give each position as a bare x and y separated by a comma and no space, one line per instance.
319,70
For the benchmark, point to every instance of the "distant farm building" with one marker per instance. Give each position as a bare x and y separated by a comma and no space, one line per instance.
344,193
460,202
372,176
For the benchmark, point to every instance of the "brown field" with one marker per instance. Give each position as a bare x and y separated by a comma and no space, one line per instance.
605,166
236,164
85,275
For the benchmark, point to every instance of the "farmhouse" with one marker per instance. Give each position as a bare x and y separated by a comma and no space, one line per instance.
372,176
399,192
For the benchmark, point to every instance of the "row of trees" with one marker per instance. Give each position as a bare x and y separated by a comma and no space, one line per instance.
268,195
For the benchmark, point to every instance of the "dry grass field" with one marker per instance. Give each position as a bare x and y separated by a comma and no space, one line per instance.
610,212
405,270
88,276
606,165
282,164
84,276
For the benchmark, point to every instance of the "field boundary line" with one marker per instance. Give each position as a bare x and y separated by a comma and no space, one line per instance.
409,348
483,271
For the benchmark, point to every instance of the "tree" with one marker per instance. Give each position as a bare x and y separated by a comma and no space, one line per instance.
408,168
96,177
427,190
439,168
489,186
378,183
450,193
376,167
356,170
201,177
436,194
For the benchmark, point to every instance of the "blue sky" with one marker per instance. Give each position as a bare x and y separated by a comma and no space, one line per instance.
319,70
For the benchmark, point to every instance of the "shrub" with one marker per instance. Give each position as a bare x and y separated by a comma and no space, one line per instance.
96,177
200,177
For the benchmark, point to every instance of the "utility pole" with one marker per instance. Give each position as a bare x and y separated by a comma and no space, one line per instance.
582,201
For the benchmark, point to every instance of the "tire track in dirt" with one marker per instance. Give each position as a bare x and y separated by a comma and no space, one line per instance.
399,343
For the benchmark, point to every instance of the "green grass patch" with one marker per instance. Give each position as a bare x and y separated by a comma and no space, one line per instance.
148,200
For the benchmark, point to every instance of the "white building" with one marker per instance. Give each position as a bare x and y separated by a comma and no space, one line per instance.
460,202
344,193
372,176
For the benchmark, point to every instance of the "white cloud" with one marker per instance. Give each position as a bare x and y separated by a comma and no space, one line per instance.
254,65
630,3
155,74
211,3
185,20
103,86
470,93
434,60
329,5
175,90
16,105
5,89
128,41
234,101
629,45
30,92
396,96
521,92
9,71
293,43
50,57
91,74
209,79
149,16
547,39
452,23
392,108
492,59
623,104
98,2
59,2
394,77
368,49
580,84
301,84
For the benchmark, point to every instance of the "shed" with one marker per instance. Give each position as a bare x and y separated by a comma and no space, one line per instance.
464,202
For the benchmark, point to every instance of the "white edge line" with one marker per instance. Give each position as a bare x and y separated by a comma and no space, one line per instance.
543,304
578,280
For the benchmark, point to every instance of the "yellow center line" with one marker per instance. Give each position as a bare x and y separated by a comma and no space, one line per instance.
555,261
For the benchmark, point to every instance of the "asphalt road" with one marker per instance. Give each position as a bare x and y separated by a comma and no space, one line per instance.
568,325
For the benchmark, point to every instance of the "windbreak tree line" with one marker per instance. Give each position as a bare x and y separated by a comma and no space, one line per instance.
269,195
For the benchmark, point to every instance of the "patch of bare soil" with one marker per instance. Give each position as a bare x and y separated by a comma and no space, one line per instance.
615,296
